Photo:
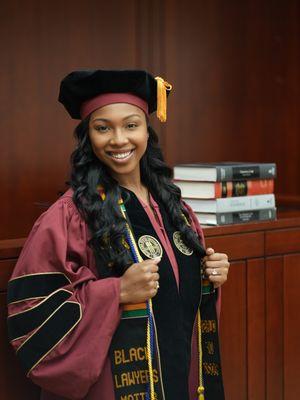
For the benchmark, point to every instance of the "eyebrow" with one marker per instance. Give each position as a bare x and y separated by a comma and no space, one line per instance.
108,120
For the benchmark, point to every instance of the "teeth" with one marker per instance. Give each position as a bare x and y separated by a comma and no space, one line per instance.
120,155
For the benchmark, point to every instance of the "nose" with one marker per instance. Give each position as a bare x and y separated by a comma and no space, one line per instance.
119,138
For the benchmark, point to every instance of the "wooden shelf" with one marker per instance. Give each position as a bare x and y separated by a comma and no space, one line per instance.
285,218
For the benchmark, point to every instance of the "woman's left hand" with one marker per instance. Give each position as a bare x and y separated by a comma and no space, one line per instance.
215,267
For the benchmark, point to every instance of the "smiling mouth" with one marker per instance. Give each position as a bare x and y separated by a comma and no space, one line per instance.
121,155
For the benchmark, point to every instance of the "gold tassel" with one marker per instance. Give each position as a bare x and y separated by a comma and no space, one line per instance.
201,393
201,389
162,87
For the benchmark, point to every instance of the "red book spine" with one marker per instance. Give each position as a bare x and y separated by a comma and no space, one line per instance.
244,188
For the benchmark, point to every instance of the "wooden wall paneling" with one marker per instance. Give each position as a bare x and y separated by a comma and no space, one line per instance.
6,268
11,248
150,35
233,333
274,328
194,65
284,84
235,70
256,338
291,351
43,42
287,219
150,44
275,244
246,245
13,383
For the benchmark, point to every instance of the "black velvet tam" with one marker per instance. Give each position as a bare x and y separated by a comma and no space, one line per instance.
80,86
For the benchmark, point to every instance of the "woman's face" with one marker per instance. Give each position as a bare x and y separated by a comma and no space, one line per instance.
118,134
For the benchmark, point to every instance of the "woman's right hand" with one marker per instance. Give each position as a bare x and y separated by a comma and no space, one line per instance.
140,282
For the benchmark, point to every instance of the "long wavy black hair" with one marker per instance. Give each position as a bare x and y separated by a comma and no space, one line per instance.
103,217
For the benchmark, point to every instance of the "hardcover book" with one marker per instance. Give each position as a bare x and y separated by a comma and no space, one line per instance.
232,204
222,172
236,217
214,190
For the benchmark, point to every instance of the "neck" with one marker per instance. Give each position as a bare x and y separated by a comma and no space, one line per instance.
137,187
132,182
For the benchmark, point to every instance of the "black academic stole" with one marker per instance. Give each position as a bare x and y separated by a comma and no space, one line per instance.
175,312
211,365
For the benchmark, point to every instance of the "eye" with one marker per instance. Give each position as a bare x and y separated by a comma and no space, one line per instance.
101,128
132,125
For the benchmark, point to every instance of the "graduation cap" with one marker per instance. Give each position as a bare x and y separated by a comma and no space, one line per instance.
82,92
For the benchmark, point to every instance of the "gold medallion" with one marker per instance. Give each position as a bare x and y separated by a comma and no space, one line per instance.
150,246
181,246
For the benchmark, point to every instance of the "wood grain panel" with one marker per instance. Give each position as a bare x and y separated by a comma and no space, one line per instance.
150,35
256,338
233,333
283,241
237,247
274,328
13,383
11,248
6,268
43,42
288,218
291,326
235,67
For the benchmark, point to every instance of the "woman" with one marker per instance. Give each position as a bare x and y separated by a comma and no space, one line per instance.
104,300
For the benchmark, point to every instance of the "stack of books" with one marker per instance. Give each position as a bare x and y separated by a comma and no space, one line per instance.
228,193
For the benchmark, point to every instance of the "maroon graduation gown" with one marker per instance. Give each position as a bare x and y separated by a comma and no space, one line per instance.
76,364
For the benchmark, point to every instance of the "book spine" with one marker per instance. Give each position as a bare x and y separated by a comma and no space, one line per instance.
246,216
235,173
224,173
244,203
244,188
